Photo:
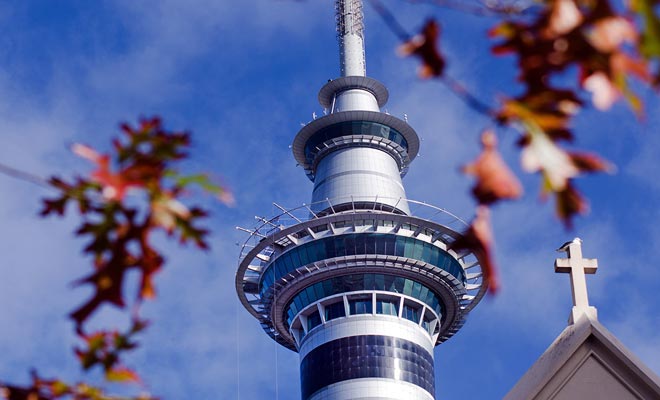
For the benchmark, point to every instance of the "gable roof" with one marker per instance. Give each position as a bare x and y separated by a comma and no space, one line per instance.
586,362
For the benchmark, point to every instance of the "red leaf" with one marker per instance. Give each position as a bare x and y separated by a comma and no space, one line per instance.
122,375
425,46
564,17
495,181
570,203
114,185
587,162
479,239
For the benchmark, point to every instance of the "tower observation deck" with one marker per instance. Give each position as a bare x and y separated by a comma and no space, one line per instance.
361,281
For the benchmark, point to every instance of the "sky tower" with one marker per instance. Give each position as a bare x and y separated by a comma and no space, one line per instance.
360,281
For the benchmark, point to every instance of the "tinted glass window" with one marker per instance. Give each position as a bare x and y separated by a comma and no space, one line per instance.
313,320
352,244
351,283
360,306
366,357
335,310
411,313
349,128
387,307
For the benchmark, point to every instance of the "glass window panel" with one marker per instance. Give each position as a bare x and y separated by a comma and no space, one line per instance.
329,247
387,307
423,294
417,287
389,283
435,257
426,252
288,264
369,282
304,298
349,244
280,270
304,258
295,259
411,313
400,246
380,244
299,303
327,287
334,310
410,248
379,282
398,284
339,246
311,296
362,305
313,320
370,244
318,290
407,289
360,244
419,249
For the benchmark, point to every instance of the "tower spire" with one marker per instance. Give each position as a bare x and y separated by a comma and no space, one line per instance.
350,34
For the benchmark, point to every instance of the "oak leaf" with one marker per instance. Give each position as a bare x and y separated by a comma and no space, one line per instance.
478,238
495,181
425,46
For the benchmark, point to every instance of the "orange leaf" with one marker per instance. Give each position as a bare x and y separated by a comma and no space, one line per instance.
122,375
540,154
479,239
604,93
564,17
569,204
608,34
587,162
495,181
424,46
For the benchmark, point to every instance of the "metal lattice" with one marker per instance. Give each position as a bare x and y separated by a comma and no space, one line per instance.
349,17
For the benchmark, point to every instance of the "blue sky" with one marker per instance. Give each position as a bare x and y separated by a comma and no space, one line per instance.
242,78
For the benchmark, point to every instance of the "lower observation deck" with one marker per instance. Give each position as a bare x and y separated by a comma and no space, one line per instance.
299,261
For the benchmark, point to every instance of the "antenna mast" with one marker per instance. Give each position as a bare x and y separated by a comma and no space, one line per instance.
350,34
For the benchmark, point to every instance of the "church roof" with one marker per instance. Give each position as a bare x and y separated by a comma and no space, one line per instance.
587,362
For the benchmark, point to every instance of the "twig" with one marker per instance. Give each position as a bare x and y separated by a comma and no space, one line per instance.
483,10
456,87
471,100
390,20
24,176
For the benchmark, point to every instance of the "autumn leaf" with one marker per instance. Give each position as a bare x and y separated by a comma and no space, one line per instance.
202,180
165,210
478,238
650,40
118,232
495,181
114,185
55,389
122,375
609,33
604,92
425,46
540,154
105,348
564,17
570,203
588,162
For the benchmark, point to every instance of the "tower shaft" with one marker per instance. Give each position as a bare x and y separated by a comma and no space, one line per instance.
350,34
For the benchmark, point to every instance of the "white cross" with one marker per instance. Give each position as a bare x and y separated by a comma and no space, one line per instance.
577,267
